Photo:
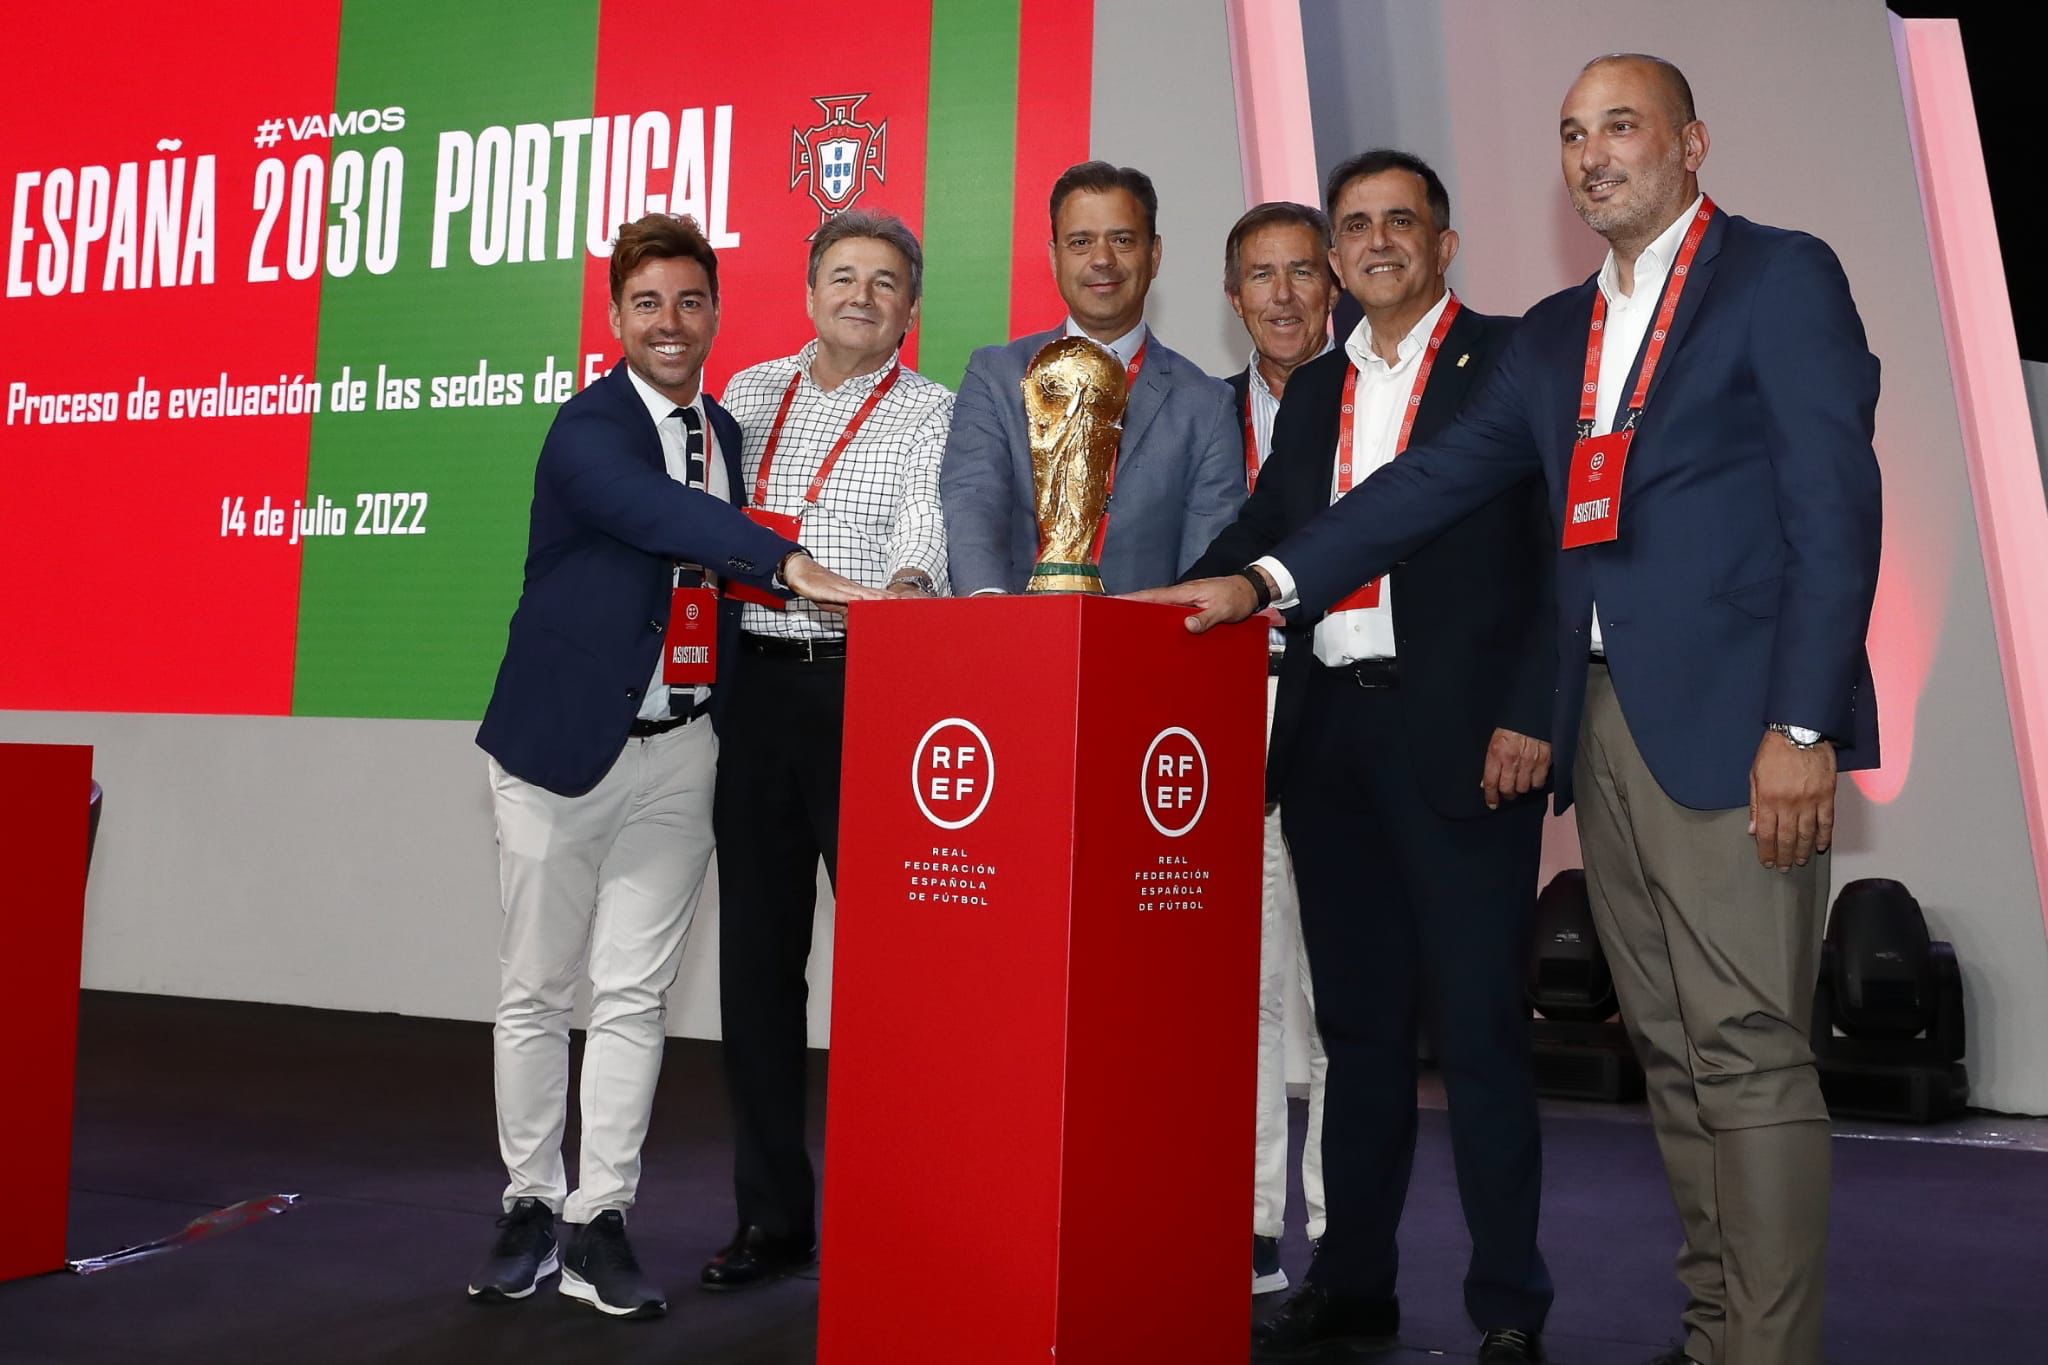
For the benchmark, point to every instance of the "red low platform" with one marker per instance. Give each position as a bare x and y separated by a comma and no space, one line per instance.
1045,986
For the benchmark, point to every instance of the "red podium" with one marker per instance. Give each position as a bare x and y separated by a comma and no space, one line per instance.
1044,1005
44,795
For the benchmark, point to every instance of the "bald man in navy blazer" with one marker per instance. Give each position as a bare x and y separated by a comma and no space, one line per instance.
1710,634
1180,464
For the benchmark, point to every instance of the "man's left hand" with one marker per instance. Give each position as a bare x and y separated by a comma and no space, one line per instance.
1791,801
1515,766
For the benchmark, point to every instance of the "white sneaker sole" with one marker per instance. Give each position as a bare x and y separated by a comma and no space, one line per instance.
1269,1284
583,1291
547,1268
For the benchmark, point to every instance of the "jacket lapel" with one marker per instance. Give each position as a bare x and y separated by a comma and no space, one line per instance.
1697,279
1449,378
1146,398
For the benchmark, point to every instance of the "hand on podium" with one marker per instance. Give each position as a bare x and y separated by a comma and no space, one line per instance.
1217,601
818,585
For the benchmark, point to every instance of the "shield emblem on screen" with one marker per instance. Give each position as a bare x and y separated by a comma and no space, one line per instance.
835,159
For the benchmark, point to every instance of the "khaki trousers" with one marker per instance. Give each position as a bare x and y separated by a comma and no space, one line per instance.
1715,960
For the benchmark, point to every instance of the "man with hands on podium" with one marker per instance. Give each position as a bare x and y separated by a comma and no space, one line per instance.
603,751
842,450
1712,681
1408,733
1179,472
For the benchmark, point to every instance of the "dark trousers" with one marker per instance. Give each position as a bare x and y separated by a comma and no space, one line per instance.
1403,910
775,814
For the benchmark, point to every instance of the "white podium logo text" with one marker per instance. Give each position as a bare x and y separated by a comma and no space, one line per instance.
952,773
1173,785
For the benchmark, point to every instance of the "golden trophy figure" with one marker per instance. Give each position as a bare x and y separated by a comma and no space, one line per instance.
1074,395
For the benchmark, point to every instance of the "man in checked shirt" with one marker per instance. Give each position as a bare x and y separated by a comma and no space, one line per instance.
843,445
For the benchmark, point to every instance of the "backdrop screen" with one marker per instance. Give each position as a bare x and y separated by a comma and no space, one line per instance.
293,292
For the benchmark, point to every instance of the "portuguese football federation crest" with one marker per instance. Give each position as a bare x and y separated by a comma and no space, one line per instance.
838,155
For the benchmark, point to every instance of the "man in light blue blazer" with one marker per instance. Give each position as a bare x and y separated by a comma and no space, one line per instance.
1180,466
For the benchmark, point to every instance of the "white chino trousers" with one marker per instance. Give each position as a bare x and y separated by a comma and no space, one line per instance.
607,883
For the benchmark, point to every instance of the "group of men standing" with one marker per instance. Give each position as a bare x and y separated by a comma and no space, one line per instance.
1467,617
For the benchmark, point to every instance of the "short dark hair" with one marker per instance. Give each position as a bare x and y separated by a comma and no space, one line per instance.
1381,159
1272,213
1677,89
660,236
882,227
1100,176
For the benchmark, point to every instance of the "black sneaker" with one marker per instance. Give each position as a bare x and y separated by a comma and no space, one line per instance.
1315,1318
1507,1346
524,1252
1267,1276
600,1269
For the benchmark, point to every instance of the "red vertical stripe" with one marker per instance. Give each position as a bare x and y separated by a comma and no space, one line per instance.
1055,87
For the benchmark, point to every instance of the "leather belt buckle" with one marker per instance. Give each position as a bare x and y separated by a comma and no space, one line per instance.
1375,674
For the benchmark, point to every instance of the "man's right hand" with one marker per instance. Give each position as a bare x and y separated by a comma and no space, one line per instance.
1217,601
815,583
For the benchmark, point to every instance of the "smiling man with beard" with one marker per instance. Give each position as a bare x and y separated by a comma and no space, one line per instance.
1408,735
1180,465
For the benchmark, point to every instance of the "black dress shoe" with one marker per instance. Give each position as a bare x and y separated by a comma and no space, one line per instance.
753,1257
1507,1346
1314,1318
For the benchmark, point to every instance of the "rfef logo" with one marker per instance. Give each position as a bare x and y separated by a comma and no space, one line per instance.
952,773
1173,786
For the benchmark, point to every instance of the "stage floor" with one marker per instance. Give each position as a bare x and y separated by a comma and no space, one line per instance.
383,1126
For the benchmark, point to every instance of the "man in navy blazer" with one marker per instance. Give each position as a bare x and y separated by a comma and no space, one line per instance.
1713,678
1180,463
601,770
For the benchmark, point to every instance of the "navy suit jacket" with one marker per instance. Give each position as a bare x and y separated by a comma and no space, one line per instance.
608,524
1472,608
1739,591
1179,475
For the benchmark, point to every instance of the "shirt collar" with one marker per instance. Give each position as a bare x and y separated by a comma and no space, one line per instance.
1125,347
1259,380
1359,345
659,404
858,384
1652,265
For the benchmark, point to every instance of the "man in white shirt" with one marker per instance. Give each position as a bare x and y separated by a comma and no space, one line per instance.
1180,464
1276,276
842,453
1407,740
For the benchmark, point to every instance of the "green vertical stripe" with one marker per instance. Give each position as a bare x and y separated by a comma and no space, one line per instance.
414,625
970,175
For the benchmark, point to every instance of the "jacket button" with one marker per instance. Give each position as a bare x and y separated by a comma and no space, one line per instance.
633,694
654,626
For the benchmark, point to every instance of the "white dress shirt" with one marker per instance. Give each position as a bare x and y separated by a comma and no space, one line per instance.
1124,348
1628,322
1345,637
675,457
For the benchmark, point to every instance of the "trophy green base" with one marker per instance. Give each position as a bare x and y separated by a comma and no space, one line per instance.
1048,577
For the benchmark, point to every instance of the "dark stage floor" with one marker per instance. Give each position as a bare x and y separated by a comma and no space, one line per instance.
383,1125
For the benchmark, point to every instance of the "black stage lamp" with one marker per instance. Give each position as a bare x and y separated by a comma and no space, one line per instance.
1888,1010
1580,1051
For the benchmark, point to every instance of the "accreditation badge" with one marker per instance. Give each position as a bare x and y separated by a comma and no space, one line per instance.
689,652
782,524
1592,500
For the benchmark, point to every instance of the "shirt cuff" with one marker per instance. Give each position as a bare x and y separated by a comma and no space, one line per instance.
1286,599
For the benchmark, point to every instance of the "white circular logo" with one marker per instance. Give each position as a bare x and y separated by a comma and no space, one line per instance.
690,611
952,773
1173,785
1599,461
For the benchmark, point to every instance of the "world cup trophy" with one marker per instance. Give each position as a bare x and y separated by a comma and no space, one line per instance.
1074,396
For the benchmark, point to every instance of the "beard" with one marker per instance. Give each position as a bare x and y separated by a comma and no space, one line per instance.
1646,212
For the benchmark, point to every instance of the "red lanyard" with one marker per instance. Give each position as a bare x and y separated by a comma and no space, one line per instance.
1251,445
1345,454
1589,393
860,417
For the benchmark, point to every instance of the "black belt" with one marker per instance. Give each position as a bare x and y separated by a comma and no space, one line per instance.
1592,658
1273,661
681,713
1371,674
808,649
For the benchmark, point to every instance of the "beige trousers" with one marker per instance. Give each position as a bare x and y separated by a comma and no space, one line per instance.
1715,960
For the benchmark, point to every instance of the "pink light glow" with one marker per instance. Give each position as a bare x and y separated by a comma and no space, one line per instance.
1991,399
1269,72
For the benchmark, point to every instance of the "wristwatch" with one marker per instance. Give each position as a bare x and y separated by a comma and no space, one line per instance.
917,578
1798,736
